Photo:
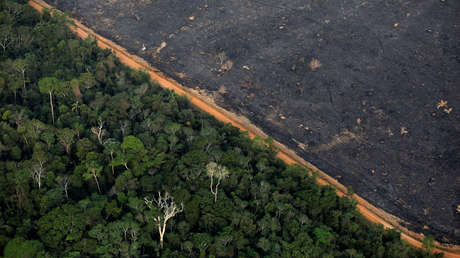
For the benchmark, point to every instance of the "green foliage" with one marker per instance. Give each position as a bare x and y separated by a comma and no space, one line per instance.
428,244
60,226
21,248
48,85
90,202
132,143
87,80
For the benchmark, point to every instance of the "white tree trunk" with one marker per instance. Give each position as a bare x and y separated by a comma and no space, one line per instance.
51,104
97,181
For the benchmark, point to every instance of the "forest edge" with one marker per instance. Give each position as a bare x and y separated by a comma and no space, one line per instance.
205,104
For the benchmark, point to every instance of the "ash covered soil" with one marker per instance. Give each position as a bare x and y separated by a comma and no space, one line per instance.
368,91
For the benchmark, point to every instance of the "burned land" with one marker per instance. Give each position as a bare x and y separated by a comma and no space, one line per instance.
368,91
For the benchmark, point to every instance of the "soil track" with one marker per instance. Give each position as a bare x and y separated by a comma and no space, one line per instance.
206,104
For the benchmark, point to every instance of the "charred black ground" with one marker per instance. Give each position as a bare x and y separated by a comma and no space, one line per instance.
368,91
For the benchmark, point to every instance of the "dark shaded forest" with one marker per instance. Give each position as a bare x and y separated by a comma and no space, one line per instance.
98,161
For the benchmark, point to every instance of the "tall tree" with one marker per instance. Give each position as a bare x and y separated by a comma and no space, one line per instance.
120,159
6,36
19,179
48,136
213,170
99,131
94,169
38,169
14,85
110,146
34,129
63,183
168,210
66,137
49,85
20,66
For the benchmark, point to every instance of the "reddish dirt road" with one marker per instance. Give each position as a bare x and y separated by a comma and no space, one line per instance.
369,211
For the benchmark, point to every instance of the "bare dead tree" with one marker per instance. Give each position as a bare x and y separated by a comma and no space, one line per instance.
213,170
66,187
64,184
98,131
94,171
6,37
168,208
125,228
38,172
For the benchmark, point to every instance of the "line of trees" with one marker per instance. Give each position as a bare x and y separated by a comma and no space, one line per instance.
96,160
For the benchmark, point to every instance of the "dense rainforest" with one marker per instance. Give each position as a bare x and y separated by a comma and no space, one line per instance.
98,161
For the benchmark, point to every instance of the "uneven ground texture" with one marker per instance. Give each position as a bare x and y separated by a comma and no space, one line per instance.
368,91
